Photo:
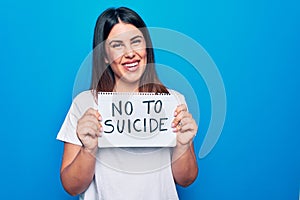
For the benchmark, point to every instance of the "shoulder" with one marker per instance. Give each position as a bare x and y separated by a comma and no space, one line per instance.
85,99
83,96
180,98
174,92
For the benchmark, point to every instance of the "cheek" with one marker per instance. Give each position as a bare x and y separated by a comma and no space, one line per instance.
113,56
143,54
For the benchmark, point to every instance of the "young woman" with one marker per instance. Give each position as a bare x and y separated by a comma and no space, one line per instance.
123,61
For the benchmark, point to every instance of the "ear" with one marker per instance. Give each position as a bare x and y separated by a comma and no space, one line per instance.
106,60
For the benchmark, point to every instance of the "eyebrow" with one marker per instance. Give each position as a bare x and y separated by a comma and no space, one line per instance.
135,37
120,41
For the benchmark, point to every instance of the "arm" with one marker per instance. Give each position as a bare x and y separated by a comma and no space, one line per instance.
78,164
184,164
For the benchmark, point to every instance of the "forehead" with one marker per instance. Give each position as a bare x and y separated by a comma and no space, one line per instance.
122,31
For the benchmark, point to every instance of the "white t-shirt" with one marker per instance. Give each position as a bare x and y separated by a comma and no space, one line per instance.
123,173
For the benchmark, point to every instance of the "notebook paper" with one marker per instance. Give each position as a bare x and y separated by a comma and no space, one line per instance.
136,119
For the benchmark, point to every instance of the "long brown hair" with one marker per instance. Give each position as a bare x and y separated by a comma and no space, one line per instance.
103,79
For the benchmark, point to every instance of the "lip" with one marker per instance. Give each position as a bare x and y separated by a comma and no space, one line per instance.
131,65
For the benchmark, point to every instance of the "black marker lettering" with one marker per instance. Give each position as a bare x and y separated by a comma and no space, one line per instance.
107,123
135,121
148,108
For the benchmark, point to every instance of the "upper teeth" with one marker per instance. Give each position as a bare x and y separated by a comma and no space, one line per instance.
131,64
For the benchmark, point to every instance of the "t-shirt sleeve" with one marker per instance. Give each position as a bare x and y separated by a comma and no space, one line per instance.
179,97
67,132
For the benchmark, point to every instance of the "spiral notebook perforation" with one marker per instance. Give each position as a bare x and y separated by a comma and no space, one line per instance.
132,93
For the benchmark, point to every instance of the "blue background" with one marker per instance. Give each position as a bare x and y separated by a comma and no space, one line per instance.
255,45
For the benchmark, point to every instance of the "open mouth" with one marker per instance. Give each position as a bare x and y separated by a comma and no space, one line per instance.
131,66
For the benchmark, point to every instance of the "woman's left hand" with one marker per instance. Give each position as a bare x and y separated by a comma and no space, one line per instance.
184,125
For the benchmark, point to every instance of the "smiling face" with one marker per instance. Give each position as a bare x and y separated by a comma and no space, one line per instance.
126,53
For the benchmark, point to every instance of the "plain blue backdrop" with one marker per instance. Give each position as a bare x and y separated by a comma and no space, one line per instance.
255,45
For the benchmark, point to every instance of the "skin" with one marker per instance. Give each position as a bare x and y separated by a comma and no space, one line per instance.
78,164
131,50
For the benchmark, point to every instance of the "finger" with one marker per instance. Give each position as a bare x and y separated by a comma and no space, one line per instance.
92,123
94,112
95,126
90,118
179,109
188,127
186,120
177,128
86,131
89,121
180,117
180,124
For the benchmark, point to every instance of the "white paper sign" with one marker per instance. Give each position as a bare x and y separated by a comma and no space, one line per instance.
136,119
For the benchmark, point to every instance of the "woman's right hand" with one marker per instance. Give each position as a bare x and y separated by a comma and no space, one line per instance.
89,129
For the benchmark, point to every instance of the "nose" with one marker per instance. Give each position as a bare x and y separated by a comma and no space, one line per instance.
129,53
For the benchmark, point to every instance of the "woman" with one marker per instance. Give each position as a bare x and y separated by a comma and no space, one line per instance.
123,61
